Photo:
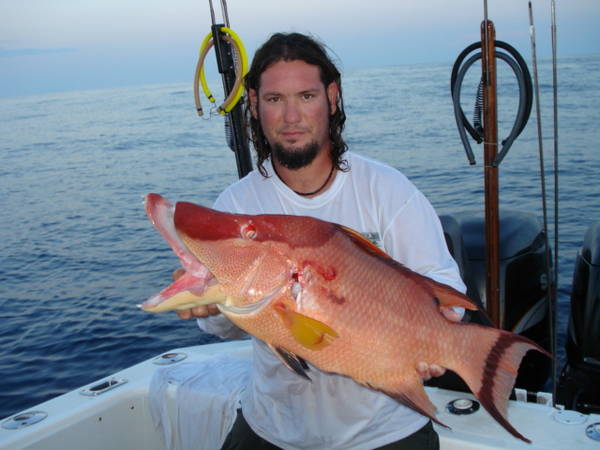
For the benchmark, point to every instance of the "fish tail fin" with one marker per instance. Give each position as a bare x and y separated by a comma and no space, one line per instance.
491,376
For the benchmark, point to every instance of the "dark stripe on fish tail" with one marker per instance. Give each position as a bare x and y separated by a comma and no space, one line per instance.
499,374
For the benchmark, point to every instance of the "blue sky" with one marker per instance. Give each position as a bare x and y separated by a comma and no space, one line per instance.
48,46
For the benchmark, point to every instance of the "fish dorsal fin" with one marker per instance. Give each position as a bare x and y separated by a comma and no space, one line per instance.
308,332
291,361
363,243
448,296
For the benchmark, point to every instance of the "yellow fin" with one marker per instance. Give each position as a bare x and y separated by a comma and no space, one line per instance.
308,332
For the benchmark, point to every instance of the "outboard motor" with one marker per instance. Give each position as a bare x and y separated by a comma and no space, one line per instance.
579,385
523,281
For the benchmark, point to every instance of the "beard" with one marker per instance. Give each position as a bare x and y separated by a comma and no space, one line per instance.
296,158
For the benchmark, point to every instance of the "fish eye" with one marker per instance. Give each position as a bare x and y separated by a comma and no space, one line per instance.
248,231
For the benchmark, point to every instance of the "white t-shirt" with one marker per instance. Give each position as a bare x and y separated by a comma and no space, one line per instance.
333,411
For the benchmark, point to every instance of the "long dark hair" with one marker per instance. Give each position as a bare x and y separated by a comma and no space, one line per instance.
291,47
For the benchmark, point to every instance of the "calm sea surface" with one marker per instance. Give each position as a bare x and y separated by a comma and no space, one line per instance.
77,252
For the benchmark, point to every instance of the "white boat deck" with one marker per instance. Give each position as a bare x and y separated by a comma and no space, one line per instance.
120,418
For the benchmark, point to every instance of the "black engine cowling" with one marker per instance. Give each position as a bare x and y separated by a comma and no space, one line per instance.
579,388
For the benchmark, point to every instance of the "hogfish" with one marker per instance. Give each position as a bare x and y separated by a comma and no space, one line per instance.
320,292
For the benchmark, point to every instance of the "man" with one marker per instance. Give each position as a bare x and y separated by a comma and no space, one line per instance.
296,117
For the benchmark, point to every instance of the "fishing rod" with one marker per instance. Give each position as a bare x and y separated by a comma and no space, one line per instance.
552,284
554,305
232,64
555,127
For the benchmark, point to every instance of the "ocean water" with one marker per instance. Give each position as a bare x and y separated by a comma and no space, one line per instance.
77,252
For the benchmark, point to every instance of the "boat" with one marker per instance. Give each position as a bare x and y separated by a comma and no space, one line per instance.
117,412
144,406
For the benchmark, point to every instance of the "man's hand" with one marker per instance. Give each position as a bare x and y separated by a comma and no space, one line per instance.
427,371
198,311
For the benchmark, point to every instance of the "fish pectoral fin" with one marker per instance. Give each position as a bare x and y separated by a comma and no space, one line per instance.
308,332
291,361
412,394
448,296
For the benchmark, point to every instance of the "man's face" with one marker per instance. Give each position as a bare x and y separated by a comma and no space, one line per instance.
293,109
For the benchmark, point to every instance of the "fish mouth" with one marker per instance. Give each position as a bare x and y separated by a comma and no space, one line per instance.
197,286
